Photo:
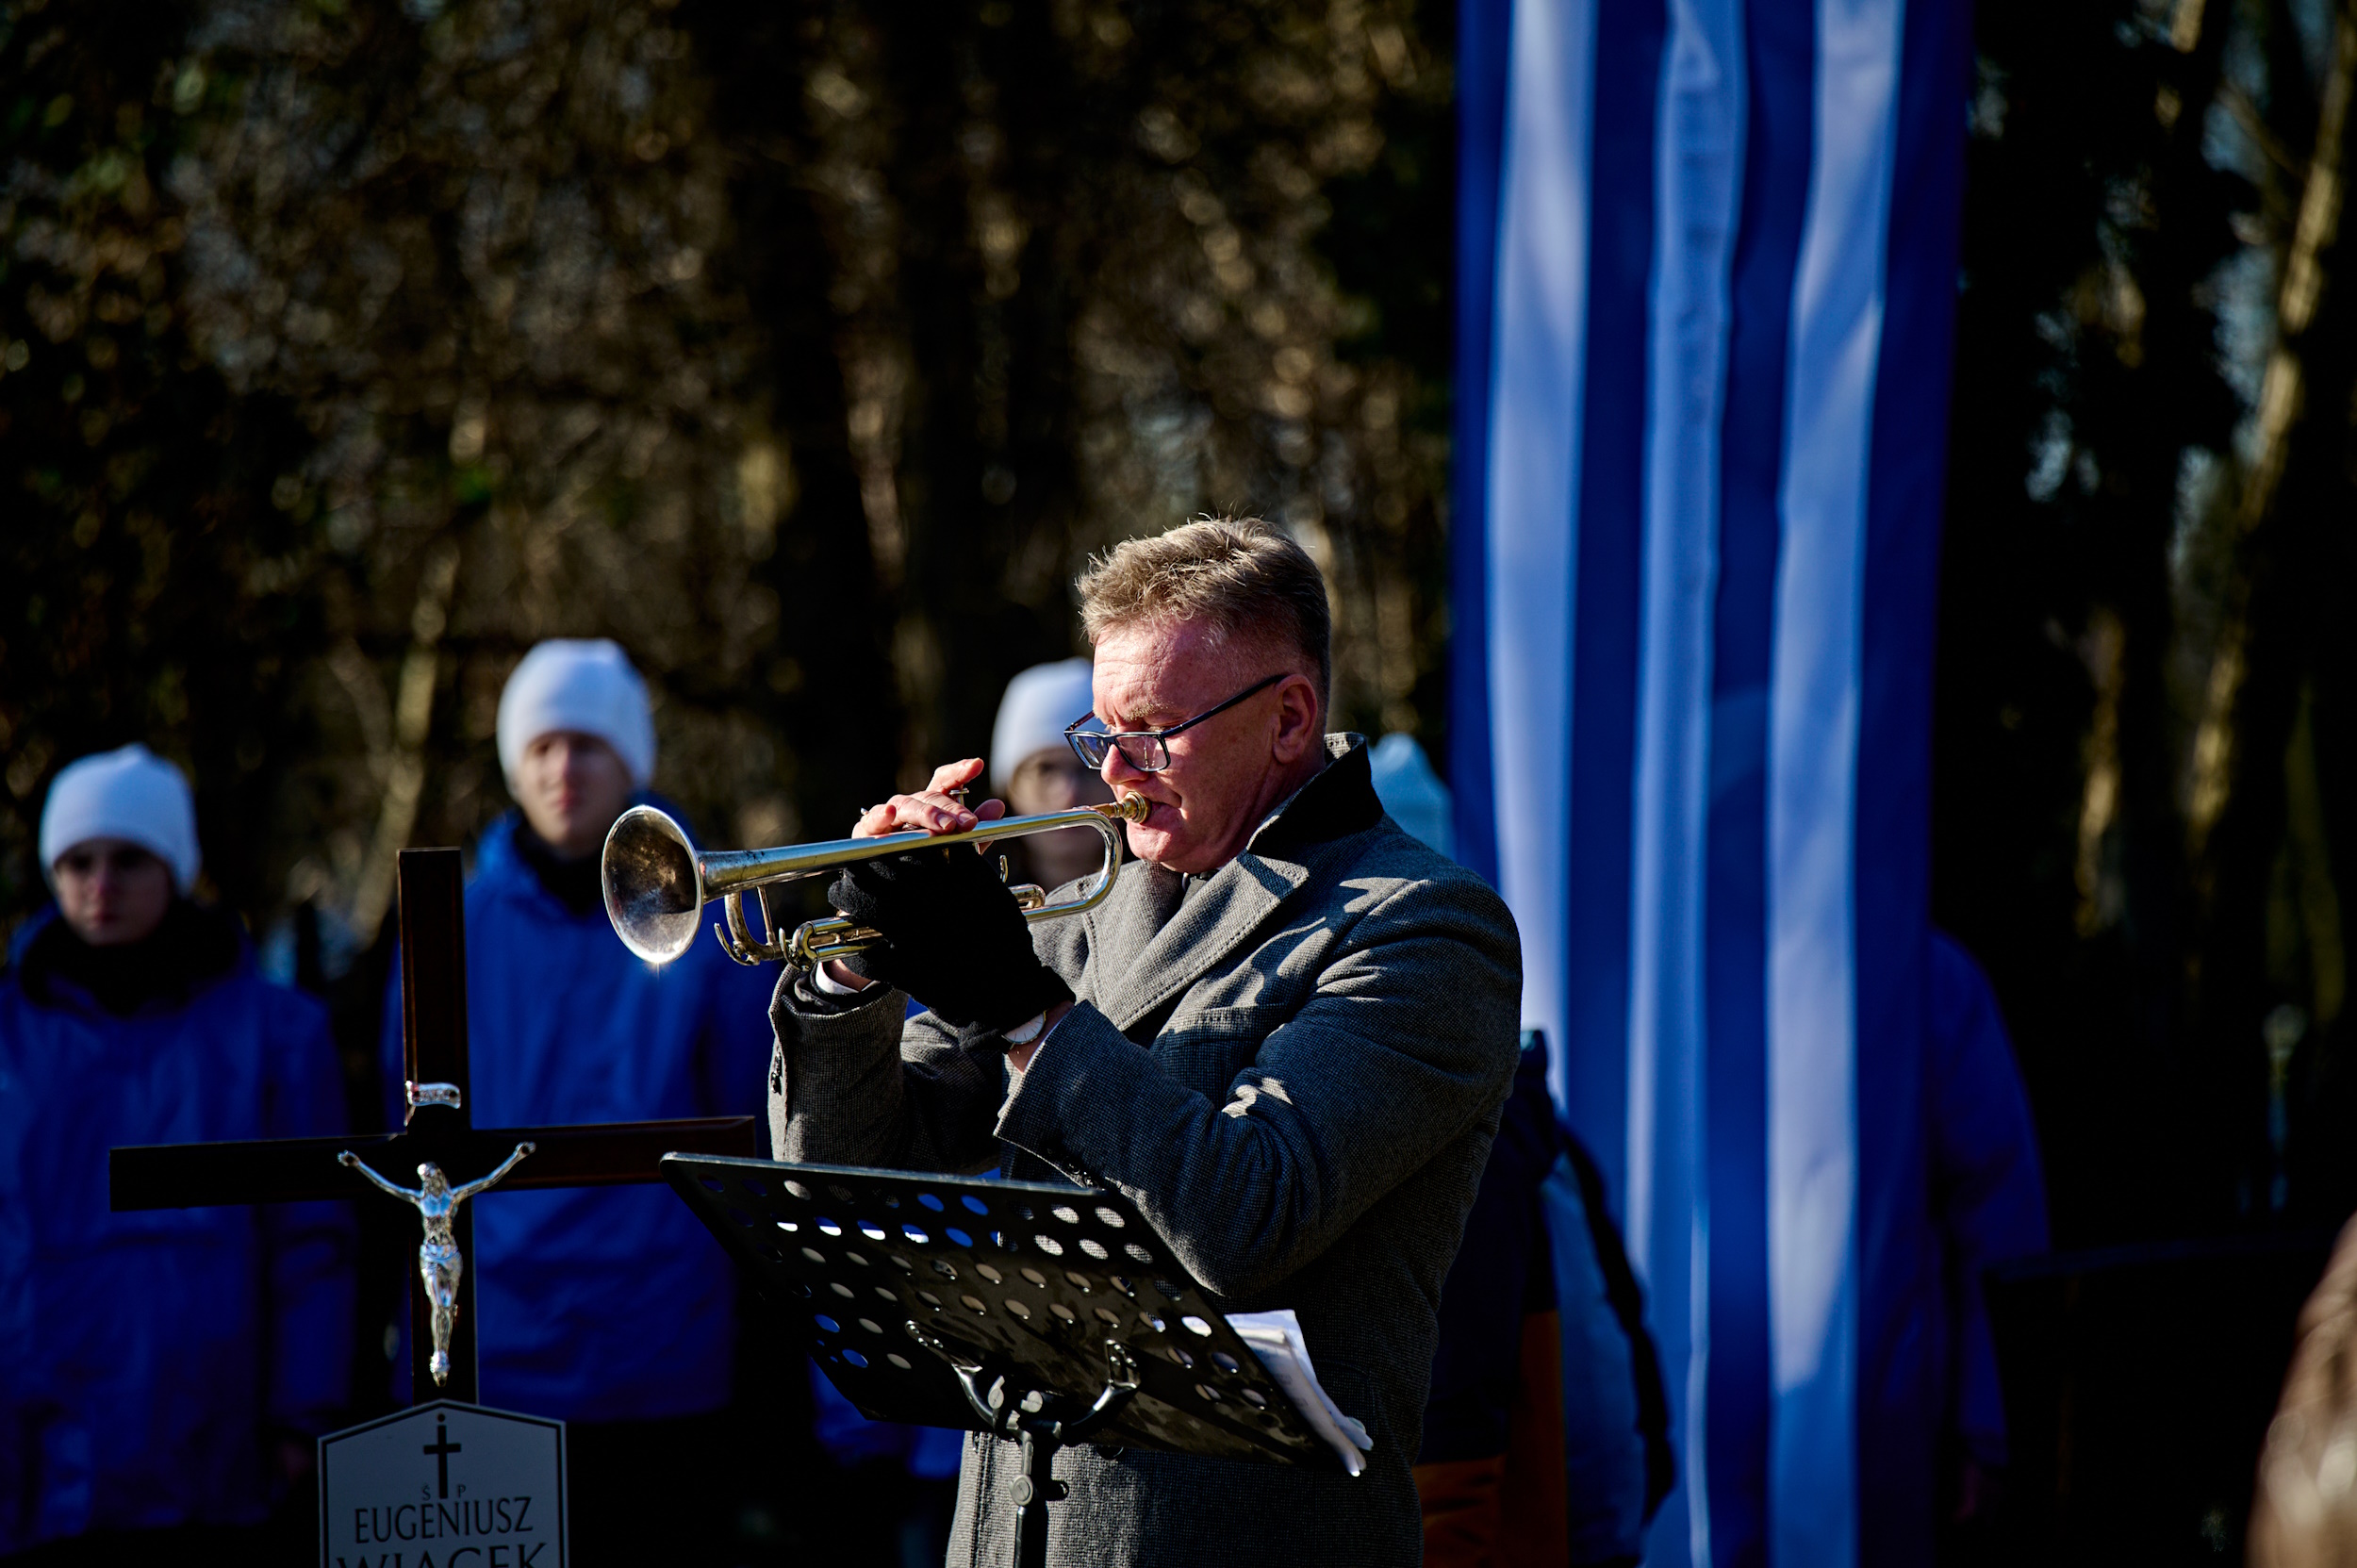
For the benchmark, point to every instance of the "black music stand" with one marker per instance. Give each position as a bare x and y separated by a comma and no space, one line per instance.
1048,1315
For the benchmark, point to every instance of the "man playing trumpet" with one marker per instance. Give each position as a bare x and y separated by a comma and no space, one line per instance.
1286,1036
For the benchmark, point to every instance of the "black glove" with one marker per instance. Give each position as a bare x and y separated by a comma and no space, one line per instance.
954,937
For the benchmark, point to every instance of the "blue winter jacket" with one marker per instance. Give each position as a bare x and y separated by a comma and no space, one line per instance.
145,1357
598,1303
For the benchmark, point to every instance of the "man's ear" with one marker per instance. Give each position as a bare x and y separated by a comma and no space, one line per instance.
1297,724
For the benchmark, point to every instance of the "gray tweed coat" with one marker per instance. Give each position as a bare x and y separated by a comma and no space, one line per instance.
1295,1077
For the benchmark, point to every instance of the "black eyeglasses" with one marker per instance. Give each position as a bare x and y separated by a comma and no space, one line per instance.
1147,751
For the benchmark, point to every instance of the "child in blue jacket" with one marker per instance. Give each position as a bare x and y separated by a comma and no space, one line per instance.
160,1372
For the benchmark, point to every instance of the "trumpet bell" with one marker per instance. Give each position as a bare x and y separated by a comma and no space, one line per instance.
654,889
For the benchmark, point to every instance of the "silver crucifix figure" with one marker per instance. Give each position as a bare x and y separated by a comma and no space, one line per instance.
439,1266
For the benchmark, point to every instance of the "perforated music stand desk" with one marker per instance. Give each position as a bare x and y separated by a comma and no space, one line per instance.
1048,1315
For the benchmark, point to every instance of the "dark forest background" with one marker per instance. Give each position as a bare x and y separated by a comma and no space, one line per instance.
351,346
348,347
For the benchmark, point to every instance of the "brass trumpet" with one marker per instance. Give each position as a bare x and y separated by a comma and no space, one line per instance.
657,883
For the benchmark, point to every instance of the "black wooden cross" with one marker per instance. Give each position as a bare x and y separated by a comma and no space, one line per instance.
434,1051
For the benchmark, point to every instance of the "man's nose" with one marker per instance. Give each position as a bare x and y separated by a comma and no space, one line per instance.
1118,768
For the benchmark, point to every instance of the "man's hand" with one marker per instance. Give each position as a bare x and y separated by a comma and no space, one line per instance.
934,810
954,937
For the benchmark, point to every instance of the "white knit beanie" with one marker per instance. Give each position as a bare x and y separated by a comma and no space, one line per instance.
589,686
130,794
1032,715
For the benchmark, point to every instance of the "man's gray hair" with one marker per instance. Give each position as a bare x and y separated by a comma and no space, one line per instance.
1231,574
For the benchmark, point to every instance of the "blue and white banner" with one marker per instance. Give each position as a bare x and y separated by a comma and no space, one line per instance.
1707,274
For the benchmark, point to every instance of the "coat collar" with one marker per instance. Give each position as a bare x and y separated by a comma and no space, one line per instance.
1234,901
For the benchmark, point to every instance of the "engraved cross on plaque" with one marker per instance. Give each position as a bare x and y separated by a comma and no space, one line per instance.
442,1448
440,1129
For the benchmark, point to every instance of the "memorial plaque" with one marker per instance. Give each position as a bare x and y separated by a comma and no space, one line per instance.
444,1485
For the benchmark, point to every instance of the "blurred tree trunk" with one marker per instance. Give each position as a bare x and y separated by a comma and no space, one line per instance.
834,611
2138,414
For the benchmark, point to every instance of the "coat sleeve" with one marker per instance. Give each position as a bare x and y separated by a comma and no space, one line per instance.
868,1084
311,1245
1408,1039
1988,1194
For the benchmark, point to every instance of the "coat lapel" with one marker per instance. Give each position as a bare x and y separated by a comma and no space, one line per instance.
1207,927
1234,904
1123,924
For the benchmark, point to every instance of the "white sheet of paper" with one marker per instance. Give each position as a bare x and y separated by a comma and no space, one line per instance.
1277,1339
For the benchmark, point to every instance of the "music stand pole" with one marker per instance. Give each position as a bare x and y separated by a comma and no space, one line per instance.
1041,1432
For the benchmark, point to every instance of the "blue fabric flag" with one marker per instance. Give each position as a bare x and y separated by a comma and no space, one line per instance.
1708,262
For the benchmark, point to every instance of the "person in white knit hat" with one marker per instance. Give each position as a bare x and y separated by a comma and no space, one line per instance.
576,738
610,1307
1035,771
118,839
171,1368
